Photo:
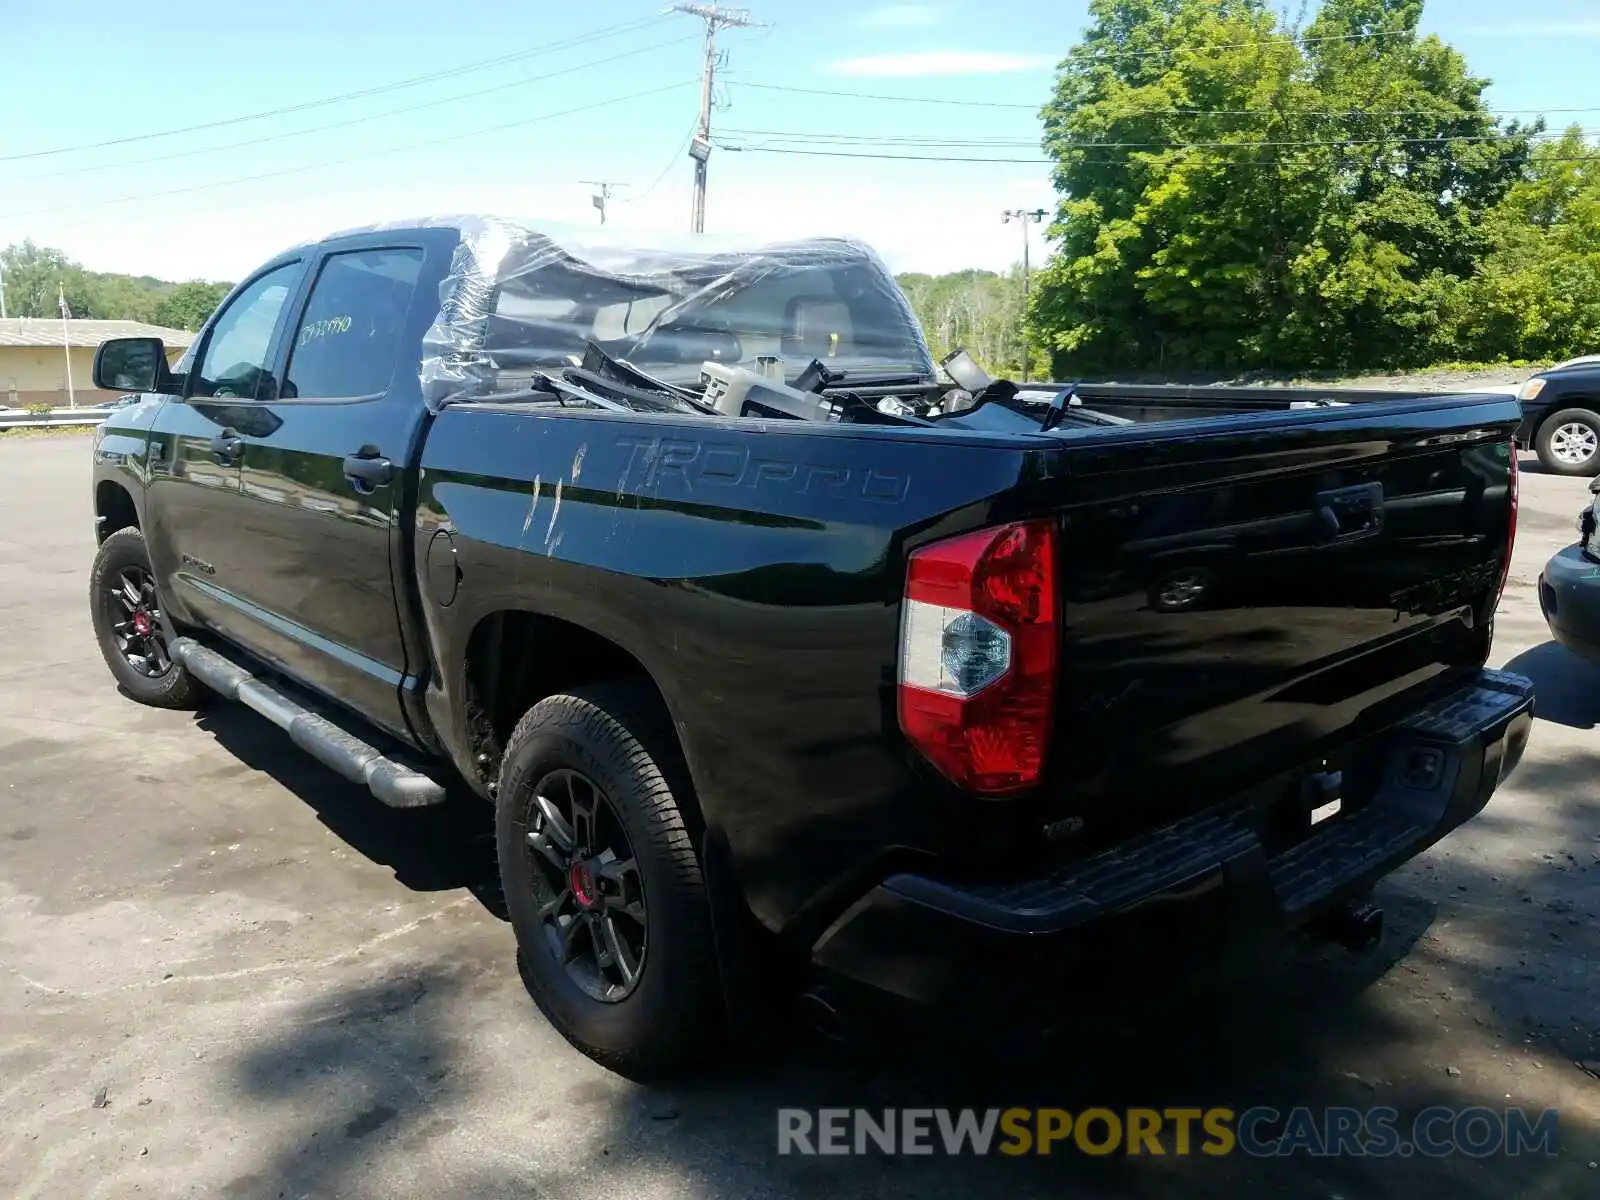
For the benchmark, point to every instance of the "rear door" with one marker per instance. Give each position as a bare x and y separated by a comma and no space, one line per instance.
322,478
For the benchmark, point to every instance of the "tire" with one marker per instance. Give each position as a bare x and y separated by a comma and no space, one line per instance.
162,683
609,736
1562,435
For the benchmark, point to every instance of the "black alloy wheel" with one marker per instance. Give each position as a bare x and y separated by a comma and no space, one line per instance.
587,885
133,610
131,628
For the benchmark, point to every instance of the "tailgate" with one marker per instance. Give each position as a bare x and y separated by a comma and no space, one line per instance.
1243,602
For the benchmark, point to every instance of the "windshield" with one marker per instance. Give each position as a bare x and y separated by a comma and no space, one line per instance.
845,311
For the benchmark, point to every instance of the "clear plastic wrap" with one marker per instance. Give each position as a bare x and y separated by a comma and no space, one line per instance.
524,299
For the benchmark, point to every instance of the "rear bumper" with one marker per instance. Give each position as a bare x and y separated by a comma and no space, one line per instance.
1569,597
1183,897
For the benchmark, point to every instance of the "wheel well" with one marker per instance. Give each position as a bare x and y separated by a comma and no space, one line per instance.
1588,404
515,659
114,506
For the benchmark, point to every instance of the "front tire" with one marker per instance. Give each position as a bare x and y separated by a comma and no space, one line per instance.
1568,442
601,880
126,610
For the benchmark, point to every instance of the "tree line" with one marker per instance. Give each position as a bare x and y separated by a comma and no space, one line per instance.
37,278
1238,192
979,310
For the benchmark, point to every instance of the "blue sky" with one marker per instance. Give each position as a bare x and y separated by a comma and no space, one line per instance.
86,71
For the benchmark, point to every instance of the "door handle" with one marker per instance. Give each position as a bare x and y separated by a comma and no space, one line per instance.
367,471
1344,514
226,447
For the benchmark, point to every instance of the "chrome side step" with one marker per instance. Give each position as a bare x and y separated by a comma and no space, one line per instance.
396,784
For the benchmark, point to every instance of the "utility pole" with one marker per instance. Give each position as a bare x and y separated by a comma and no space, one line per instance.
2,291
66,340
715,18
1024,217
604,194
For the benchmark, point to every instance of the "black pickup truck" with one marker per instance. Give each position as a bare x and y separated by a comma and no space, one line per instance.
779,658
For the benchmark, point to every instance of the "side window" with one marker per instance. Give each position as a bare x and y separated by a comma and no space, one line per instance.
353,324
235,362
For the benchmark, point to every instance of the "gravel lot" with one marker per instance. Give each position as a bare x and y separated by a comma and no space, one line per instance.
224,972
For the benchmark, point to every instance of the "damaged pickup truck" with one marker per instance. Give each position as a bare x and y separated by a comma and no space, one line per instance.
781,659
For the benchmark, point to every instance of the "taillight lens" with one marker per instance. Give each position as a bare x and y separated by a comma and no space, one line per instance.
1511,531
978,647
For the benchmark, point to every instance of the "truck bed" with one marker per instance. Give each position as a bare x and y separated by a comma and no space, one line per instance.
1240,595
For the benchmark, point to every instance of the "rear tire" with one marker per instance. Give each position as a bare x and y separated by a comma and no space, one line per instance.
1568,442
596,899
126,610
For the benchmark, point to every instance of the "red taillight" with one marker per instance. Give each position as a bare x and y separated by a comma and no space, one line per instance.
978,655
1511,522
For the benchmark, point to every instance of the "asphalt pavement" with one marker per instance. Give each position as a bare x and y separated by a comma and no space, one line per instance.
226,972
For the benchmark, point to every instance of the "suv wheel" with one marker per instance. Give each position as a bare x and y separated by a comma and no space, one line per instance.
1569,442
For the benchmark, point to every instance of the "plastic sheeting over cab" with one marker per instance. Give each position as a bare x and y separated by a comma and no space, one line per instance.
523,301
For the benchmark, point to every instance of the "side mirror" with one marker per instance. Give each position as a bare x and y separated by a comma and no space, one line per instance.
132,365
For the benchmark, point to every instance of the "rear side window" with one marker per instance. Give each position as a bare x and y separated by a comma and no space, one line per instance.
354,320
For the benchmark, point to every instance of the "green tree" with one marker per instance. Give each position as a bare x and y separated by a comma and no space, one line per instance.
120,297
1238,194
33,273
1536,295
189,304
36,277
978,310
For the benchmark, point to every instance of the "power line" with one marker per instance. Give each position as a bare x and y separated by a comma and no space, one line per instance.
383,116
872,139
1198,112
666,170
881,139
337,162
1042,162
378,90
1350,112
1036,162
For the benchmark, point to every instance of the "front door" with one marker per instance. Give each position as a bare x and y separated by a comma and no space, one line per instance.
321,481
192,506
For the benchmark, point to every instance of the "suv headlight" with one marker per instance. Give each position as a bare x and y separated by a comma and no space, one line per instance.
1532,388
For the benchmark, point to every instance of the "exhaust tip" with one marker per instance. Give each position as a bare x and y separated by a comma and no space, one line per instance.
822,1016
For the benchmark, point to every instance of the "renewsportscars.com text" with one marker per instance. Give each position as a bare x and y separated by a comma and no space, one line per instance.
1260,1132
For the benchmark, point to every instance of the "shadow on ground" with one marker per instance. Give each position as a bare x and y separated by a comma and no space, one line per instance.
433,849
382,1073
1567,687
388,1072
405,1089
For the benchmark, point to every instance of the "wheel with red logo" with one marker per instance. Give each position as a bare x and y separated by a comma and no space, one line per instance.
602,882
126,609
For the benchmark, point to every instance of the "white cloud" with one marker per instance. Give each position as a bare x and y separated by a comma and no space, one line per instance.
942,62
902,16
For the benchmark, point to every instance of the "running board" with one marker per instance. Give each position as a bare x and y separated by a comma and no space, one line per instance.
396,784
